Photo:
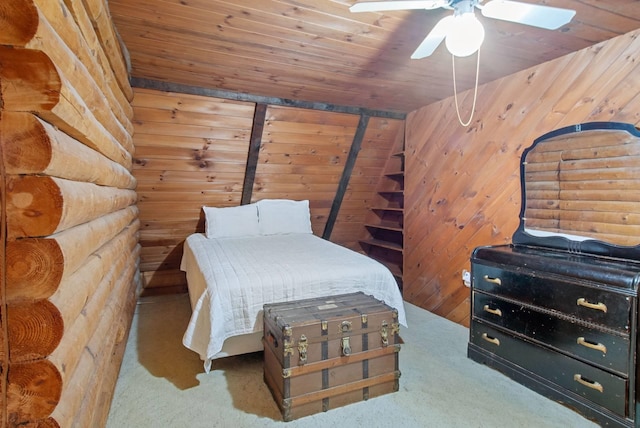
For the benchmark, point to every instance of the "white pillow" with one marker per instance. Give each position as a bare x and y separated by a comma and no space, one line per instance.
280,216
231,222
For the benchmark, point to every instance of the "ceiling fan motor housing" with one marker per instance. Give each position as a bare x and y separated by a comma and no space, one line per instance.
463,6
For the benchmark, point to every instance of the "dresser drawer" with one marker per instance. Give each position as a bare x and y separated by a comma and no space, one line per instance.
606,349
592,383
589,303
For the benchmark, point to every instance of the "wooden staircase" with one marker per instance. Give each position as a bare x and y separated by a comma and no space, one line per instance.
384,235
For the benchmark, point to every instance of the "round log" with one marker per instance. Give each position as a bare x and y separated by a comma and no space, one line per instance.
41,206
35,82
19,22
98,309
76,290
74,27
34,206
33,391
95,405
72,68
34,268
32,146
37,86
115,50
80,241
84,365
34,330
25,144
42,423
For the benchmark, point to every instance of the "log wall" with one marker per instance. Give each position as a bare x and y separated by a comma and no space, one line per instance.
462,185
69,249
195,150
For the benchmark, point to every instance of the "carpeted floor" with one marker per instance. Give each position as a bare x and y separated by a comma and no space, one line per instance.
162,384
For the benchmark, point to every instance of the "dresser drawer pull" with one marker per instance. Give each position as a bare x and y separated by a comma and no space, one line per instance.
588,383
497,281
490,339
598,306
597,346
497,312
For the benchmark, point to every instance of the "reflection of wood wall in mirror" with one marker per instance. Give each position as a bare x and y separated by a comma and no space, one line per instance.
585,184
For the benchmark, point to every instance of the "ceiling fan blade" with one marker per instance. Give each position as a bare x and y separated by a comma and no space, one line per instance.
535,15
378,6
433,39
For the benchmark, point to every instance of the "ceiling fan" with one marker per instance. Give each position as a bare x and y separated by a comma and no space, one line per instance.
462,32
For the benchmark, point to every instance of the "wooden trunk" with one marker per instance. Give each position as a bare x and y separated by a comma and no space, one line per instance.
328,352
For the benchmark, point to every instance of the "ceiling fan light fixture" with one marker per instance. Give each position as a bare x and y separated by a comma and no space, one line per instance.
465,35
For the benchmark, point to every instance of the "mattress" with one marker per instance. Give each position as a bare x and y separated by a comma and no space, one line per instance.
230,279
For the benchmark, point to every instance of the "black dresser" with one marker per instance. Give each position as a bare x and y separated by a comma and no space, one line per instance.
557,310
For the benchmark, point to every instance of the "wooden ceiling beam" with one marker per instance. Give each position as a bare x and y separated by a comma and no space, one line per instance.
238,96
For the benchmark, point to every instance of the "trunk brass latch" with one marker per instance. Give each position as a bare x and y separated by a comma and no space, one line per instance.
384,334
346,346
302,349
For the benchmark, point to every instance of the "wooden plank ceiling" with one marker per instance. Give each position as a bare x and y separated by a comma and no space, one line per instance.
318,51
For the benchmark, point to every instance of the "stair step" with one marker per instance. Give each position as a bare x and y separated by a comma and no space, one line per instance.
386,225
388,209
383,244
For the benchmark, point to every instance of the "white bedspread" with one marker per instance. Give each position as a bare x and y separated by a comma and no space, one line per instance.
242,274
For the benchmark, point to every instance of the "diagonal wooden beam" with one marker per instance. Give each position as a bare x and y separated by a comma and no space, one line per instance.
346,175
255,141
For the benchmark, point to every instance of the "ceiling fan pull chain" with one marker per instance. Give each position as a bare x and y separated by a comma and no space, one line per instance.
455,90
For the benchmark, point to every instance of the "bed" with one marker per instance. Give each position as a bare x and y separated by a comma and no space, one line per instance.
241,262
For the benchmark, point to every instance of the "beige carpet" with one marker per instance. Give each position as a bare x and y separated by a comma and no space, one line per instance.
162,384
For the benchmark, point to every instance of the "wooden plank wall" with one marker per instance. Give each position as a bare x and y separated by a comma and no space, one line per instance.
302,156
69,222
462,184
192,150
380,142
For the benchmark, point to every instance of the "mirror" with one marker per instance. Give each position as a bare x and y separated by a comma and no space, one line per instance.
582,184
